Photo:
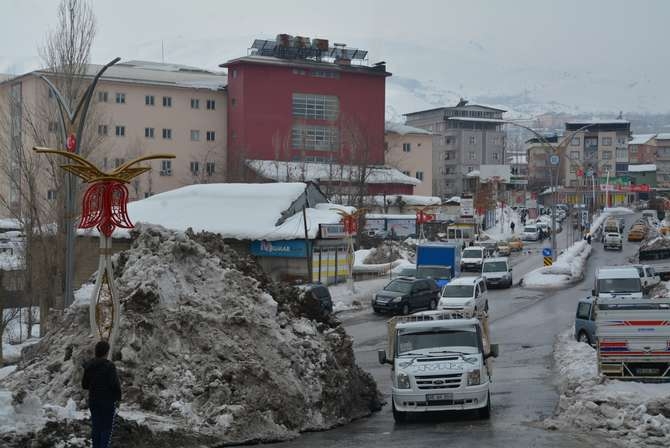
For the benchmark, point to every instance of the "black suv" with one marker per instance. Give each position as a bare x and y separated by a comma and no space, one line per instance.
405,294
321,294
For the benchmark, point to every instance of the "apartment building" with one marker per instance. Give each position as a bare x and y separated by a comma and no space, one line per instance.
138,108
539,170
465,136
410,150
601,147
662,151
641,149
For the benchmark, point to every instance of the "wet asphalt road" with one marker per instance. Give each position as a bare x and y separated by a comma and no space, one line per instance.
525,323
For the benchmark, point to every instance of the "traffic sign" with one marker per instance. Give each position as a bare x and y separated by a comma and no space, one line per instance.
554,159
589,172
546,252
548,261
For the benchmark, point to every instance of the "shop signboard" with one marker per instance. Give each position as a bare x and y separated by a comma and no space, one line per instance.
279,248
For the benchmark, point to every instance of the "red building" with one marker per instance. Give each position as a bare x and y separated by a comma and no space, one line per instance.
297,100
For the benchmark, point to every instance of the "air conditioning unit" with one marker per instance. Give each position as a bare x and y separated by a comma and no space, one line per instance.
166,172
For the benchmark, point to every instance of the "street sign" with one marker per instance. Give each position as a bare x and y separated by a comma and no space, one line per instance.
546,252
589,172
548,261
554,159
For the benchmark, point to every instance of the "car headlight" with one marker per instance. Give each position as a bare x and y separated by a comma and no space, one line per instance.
397,299
469,304
474,378
402,381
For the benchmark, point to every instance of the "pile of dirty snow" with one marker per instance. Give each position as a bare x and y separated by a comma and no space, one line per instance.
568,268
631,413
205,354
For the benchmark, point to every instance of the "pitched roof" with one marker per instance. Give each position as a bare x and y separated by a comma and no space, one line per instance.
403,129
641,139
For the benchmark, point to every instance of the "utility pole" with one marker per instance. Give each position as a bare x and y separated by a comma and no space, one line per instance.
308,252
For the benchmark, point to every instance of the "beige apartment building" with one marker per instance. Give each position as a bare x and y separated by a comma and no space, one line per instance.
410,150
138,108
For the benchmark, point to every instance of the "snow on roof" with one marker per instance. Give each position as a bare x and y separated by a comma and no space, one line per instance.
641,139
598,121
240,211
146,72
387,216
454,199
663,136
312,171
484,120
10,224
403,129
473,173
641,168
407,199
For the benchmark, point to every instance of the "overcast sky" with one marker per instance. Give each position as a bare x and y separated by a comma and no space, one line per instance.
526,55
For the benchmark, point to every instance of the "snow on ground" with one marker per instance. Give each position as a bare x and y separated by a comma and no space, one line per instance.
618,210
14,339
568,267
633,414
507,215
345,299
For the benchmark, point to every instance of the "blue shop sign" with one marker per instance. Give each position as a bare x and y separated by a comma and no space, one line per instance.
280,248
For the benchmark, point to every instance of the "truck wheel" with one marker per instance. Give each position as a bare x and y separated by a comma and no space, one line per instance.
485,412
433,304
405,309
583,337
399,416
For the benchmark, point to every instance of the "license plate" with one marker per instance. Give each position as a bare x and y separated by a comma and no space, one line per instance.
439,397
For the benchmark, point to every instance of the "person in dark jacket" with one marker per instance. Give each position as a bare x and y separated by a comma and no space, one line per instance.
104,394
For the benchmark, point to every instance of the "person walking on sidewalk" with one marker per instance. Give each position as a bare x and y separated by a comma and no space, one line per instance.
511,225
104,394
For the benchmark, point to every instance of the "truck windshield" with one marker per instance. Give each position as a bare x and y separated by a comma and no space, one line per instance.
458,291
472,253
495,266
416,340
399,286
530,229
619,285
433,272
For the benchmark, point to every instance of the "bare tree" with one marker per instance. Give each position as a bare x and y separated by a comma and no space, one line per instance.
7,315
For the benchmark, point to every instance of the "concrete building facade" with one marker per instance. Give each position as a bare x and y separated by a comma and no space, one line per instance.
465,136
662,151
138,108
410,150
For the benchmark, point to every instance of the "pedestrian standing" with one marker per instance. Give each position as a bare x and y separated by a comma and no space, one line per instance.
104,394
511,225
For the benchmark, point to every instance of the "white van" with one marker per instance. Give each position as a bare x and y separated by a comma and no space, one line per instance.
617,282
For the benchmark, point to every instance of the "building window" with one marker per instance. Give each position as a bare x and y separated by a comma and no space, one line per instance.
607,141
53,126
147,194
209,168
211,105
607,155
166,168
233,102
574,155
575,141
318,138
471,155
51,195
470,169
195,135
473,140
119,162
419,175
102,129
324,74
449,139
299,71
495,156
211,136
167,134
102,97
149,132
622,154
195,168
621,141
315,107
406,147
167,101
573,169
120,98
120,131
195,103
234,73
406,173
104,163
149,100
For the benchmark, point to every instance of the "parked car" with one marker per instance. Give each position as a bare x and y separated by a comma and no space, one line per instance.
637,232
515,244
472,258
497,272
504,249
613,241
404,295
530,233
320,293
465,293
585,325
648,276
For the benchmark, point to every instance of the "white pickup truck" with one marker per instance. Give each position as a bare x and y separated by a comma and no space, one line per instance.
439,362
633,338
